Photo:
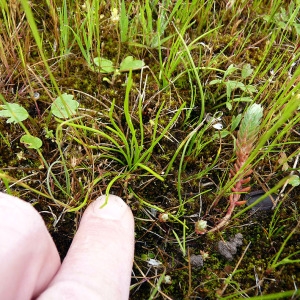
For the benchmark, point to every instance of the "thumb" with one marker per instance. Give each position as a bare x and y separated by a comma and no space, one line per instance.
99,261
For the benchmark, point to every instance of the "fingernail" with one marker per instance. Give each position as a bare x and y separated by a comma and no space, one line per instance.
112,208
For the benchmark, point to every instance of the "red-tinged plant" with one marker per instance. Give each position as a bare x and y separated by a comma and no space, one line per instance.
246,138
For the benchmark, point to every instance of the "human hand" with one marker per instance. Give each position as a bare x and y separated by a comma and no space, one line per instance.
98,263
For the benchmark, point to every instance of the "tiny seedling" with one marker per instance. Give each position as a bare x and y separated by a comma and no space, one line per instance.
287,19
62,107
16,114
106,66
232,85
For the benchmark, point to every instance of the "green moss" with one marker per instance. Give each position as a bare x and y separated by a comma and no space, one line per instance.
234,43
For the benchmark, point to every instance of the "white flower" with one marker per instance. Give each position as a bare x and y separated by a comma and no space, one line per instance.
218,126
167,279
154,263
115,17
215,120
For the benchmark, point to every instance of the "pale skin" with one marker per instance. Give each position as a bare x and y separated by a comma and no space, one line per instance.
98,264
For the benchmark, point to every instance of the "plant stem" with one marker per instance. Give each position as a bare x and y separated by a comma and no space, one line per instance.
245,141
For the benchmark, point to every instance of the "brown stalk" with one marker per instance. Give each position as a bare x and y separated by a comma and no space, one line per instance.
244,147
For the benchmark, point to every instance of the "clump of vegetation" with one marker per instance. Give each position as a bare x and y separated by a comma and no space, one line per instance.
154,101
246,137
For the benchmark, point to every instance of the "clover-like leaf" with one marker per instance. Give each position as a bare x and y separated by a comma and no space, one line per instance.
246,71
232,85
228,105
105,65
283,160
129,63
64,106
31,141
294,180
215,81
230,70
14,112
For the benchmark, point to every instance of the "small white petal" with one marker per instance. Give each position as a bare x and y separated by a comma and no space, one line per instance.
154,262
36,95
218,126
167,279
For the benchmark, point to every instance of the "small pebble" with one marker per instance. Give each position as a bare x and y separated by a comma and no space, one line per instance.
196,261
229,249
265,204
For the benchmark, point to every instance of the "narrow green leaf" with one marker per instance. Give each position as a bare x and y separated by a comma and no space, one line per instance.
242,99
124,21
215,81
235,121
229,105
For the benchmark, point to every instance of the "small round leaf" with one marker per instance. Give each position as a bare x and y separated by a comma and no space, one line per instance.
14,112
31,141
106,65
131,64
64,106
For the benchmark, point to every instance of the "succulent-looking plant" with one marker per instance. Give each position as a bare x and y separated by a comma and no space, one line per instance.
200,227
246,137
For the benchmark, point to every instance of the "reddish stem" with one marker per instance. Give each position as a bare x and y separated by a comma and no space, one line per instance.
242,155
